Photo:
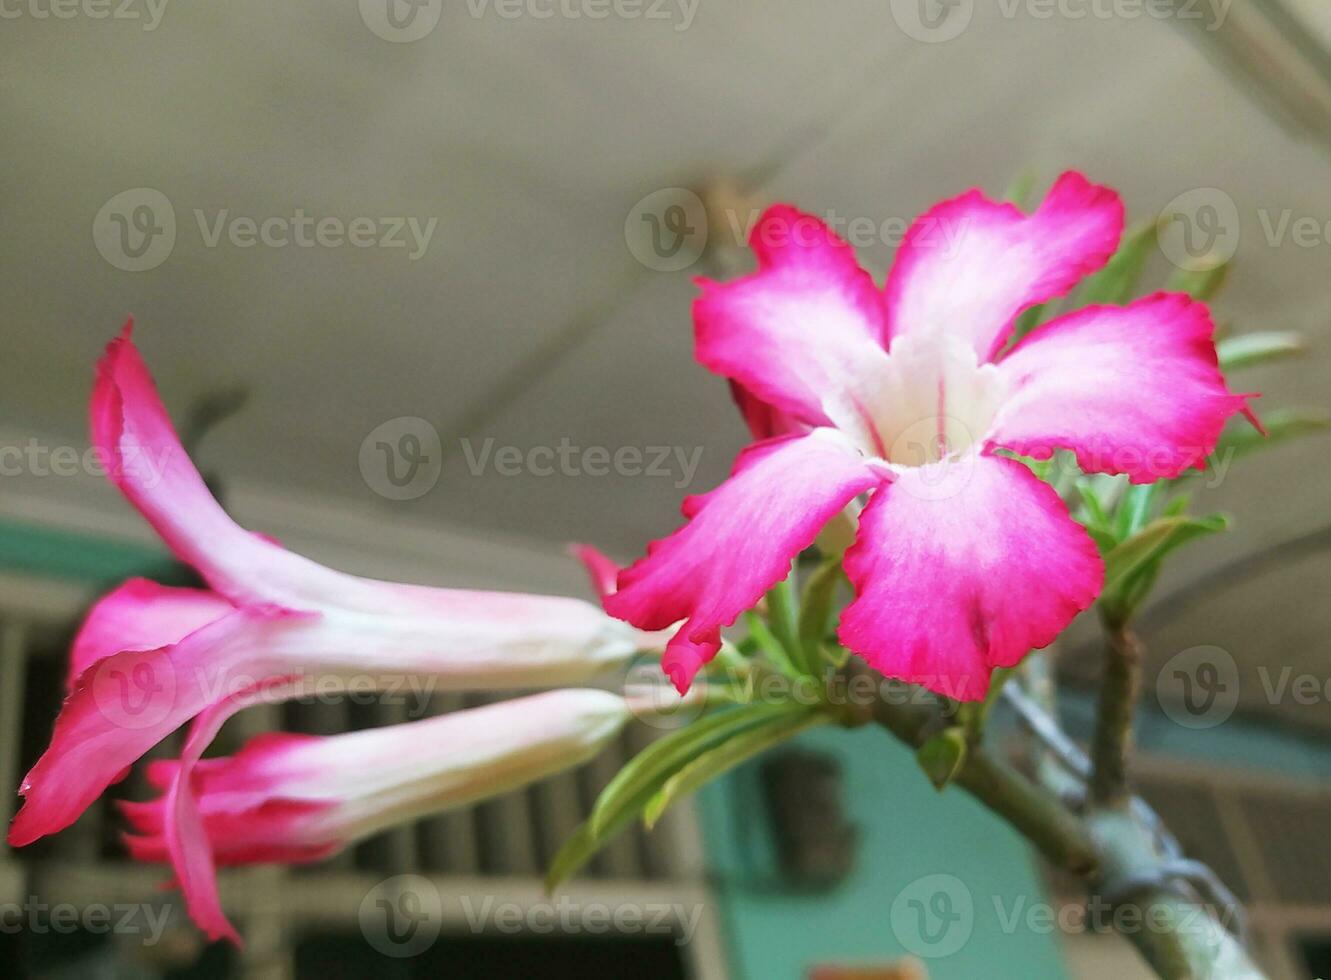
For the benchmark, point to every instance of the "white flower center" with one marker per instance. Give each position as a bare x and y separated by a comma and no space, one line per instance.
934,402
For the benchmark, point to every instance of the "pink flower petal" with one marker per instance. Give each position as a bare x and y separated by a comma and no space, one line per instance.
1132,390
126,703
804,333
186,839
738,542
302,798
764,421
601,569
962,567
969,266
138,445
141,615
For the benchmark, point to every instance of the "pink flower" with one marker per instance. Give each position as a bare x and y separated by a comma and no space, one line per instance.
150,658
964,560
300,798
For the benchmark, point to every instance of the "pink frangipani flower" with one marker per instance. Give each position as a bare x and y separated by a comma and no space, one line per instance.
150,658
964,560
299,798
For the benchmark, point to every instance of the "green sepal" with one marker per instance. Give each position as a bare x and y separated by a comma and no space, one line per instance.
942,756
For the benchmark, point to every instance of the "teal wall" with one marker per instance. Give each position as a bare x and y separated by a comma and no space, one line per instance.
908,833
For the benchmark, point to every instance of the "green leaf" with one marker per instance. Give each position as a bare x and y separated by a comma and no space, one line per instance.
816,609
1177,505
1095,510
577,851
769,644
1282,425
781,619
645,772
1117,282
1131,567
942,756
1202,283
1134,510
1250,349
1019,191
1028,321
725,757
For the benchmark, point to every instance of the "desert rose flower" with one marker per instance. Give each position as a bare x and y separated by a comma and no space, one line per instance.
298,798
150,658
908,396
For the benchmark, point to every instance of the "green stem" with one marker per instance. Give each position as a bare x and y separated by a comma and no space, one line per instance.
1112,743
1031,810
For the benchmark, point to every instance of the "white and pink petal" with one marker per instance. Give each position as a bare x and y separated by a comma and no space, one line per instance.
962,567
970,266
1133,389
739,541
804,334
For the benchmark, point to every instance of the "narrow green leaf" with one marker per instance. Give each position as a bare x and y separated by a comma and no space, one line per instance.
942,756
1117,282
1131,567
1202,283
1153,542
1134,510
769,644
1028,321
781,618
816,609
1019,191
577,851
1095,510
651,767
1177,505
1282,425
725,757
1249,349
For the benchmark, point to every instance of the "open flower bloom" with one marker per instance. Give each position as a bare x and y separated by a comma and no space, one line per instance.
150,658
298,798
963,560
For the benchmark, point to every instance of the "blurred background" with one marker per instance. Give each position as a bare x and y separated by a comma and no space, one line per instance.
419,274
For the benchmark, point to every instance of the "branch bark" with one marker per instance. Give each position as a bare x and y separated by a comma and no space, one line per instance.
1112,745
1034,812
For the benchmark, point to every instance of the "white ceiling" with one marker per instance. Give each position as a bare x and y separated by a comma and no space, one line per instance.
530,140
